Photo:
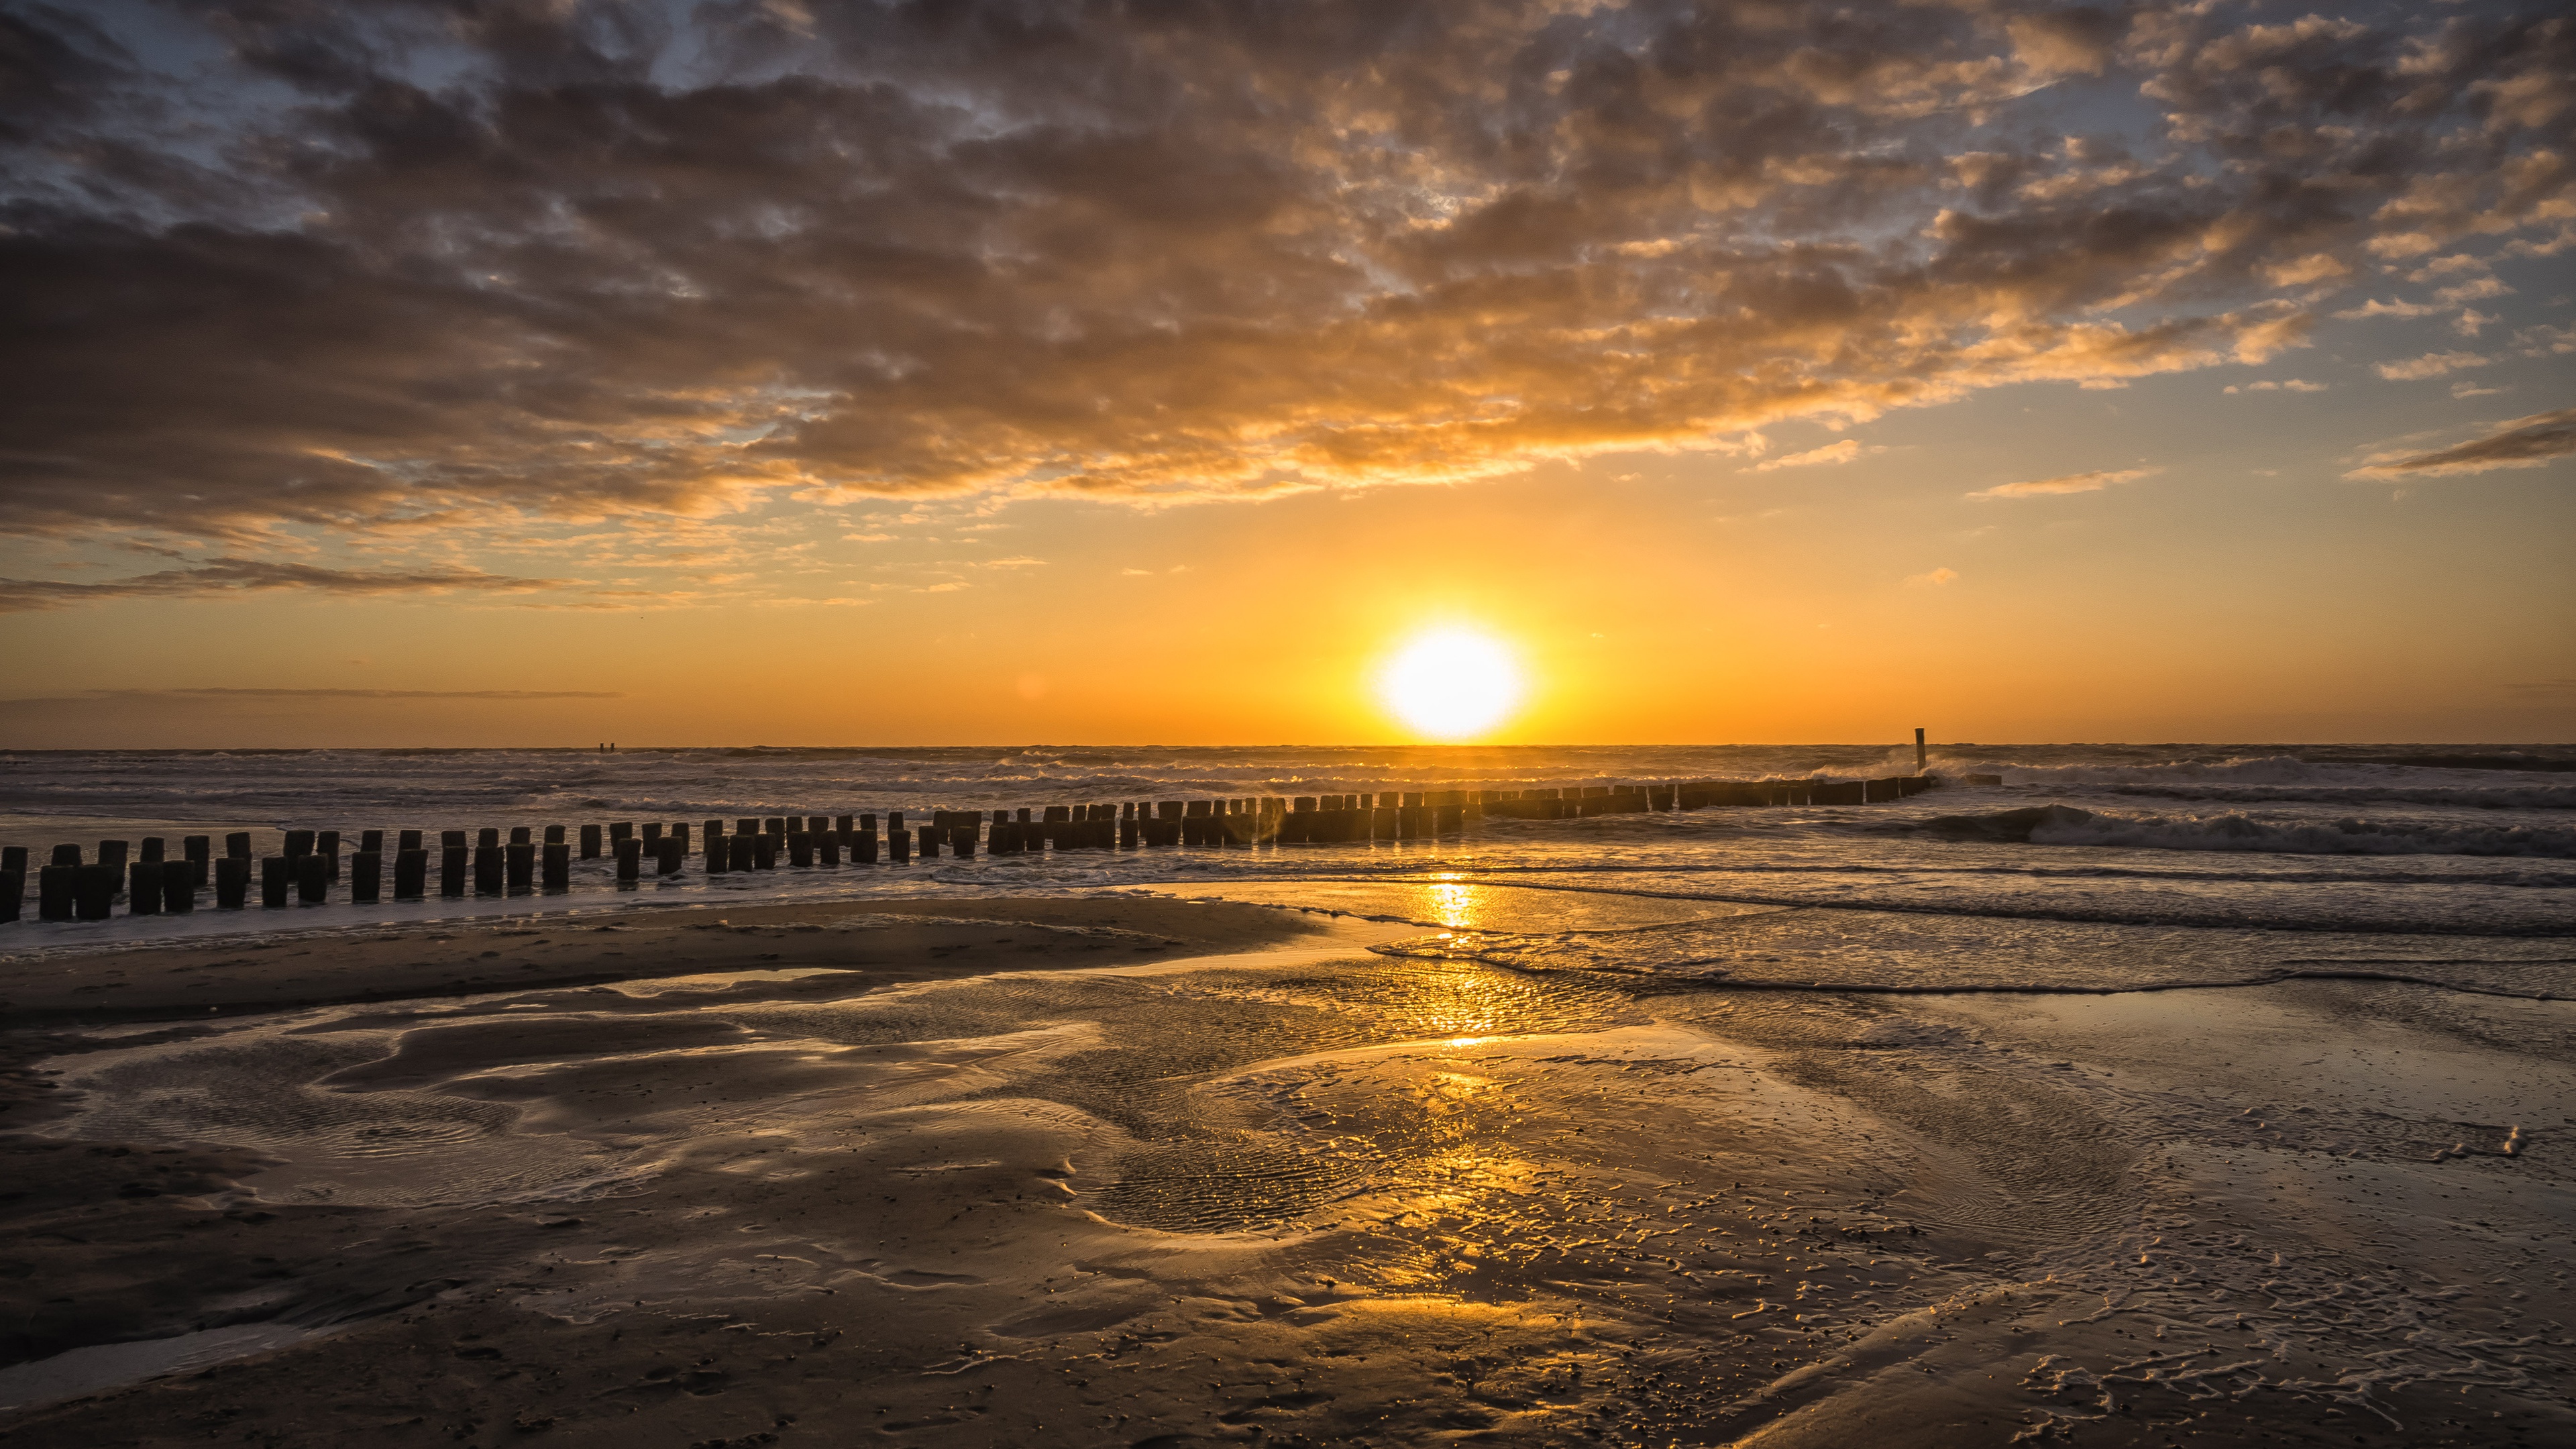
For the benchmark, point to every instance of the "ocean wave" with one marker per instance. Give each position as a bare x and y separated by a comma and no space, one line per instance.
2238,831
2265,770
2464,797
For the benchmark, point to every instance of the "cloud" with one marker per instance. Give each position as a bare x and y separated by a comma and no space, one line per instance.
1842,452
2431,364
223,696
1934,579
2293,384
222,576
2066,483
465,270
2522,443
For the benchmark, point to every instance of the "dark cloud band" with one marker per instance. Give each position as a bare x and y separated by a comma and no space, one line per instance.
479,260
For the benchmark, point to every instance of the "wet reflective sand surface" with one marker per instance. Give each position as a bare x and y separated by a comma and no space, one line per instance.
1309,1193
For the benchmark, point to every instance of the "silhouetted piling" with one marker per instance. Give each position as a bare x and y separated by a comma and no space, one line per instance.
150,852
312,880
54,892
178,888
326,844
232,882
764,850
590,842
520,867
668,852
299,844
744,855
13,892
67,855
451,869
237,845
898,844
408,840
143,888
367,875
411,871
276,881
863,847
800,849
489,868
630,859
372,840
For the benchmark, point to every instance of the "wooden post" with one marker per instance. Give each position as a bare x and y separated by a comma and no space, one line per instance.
680,833
372,840
898,844
554,835
744,851
367,877
178,886
800,850
152,853
312,880
408,840
67,855
326,844
746,827
488,868
827,849
929,842
1919,755
719,855
521,866
113,852
232,882
237,845
451,869
13,891
557,866
299,843
590,842
94,890
764,851
411,872
652,833
54,892
667,854
630,860
201,852
708,831
143,889
863,847
275,880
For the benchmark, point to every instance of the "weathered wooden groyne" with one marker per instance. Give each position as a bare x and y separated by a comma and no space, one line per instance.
538,860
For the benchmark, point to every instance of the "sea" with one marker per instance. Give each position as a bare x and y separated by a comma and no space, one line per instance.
2086,868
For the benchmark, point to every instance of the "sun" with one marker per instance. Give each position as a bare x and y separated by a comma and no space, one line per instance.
1451,684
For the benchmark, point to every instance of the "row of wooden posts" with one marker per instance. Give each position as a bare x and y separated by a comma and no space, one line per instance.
70,888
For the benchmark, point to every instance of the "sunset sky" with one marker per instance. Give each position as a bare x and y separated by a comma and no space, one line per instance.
526,372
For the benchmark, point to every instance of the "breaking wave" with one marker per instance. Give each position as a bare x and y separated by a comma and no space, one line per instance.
2237,831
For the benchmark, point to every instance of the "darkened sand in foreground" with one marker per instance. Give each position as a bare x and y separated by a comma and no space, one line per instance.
1119,1170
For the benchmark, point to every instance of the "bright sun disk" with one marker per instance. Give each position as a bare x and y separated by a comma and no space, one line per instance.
1452,684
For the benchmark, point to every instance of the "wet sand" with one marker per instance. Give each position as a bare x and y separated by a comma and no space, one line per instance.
1127,1171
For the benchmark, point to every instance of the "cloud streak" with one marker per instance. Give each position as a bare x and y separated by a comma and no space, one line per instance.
2522,443
2092,482
224,576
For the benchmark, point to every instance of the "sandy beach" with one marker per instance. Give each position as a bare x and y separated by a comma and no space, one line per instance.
1122,1170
